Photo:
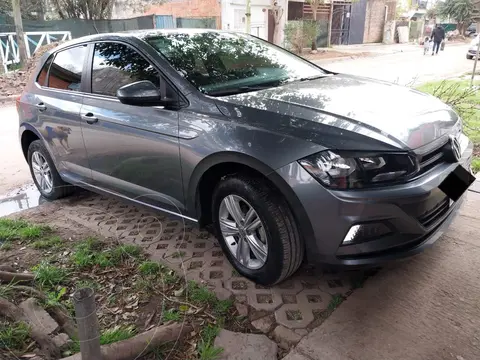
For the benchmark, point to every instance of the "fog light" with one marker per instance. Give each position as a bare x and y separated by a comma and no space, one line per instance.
365,232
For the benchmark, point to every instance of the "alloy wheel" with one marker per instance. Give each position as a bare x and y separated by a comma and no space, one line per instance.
42,172
243,232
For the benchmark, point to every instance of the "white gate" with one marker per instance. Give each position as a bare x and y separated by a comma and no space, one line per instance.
33,40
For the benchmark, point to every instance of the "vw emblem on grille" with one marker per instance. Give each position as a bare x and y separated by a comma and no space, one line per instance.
455,148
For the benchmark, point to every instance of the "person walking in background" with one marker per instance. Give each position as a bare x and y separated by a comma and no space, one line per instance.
438,35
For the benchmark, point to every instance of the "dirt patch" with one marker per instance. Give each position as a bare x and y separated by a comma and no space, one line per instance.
133,293
13,82
330,54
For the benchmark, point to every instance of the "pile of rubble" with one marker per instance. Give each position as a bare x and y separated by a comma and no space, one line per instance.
12,83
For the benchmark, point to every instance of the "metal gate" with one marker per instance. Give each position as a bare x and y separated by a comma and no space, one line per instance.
341,23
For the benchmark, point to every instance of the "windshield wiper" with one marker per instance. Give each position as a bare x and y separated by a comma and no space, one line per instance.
240,89
308,78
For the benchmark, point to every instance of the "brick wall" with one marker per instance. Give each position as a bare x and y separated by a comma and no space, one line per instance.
188,8
375,21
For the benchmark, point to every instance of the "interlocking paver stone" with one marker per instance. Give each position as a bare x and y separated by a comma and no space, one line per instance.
196,255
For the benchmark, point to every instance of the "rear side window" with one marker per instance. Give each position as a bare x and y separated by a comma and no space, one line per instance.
115,65
42,76
66,70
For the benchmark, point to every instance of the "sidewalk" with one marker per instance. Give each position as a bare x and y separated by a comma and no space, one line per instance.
426,308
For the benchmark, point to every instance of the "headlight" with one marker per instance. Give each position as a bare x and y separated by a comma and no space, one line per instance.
355,171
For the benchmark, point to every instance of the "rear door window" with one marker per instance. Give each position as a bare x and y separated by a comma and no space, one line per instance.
66,70
42,76
115,65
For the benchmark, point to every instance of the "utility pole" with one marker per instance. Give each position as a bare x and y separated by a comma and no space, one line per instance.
17,17
248,15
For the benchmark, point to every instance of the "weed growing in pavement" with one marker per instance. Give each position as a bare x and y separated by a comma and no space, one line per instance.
48,276
335,302
20,230
178,254
13,336
51,242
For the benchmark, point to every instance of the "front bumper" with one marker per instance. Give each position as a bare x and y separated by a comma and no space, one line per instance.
417,212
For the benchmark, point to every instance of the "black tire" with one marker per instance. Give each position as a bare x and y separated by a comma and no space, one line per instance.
469,57
279,224
60,187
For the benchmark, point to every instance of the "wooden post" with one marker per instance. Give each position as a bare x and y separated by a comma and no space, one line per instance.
330,19
17,17
88,330
475,63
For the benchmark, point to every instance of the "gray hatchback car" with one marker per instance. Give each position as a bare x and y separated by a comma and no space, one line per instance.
288,162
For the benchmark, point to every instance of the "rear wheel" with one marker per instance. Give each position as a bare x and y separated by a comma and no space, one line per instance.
44,173
256,230
469,57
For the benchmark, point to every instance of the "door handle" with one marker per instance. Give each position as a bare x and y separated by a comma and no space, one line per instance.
90,118
41,106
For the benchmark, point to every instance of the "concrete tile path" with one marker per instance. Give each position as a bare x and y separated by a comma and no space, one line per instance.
427,308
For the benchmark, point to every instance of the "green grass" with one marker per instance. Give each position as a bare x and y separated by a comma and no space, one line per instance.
201,295
149,268
89,253
48,276
205,348
51,242
13,336
171,315
335,302
109,336
20,230
476,165
458,94
6,291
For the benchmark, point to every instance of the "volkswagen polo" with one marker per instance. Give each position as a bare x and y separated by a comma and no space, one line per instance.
287,161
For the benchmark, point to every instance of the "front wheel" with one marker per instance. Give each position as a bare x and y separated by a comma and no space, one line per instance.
44,173
469,57
256,230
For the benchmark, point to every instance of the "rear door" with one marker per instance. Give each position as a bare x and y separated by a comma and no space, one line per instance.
132,150
57,100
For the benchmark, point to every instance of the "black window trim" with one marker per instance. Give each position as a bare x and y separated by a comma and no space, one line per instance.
54,55
182,98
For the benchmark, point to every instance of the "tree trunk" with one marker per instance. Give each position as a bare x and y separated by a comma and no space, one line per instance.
314,14
141,344
56,312
17,16
14,313
11,277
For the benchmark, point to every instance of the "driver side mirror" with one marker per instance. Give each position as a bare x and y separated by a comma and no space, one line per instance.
140,93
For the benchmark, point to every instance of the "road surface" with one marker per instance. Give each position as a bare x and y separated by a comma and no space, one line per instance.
403,67
407,67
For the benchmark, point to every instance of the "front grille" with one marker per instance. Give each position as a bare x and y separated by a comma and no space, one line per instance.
432,159
431,216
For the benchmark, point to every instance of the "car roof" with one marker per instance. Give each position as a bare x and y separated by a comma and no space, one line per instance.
140,34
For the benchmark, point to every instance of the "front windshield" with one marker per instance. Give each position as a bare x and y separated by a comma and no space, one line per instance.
218,63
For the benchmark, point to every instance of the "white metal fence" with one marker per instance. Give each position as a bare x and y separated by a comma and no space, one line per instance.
33,40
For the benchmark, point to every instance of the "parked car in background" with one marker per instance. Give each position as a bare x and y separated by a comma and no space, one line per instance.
283,158
471,29
473,49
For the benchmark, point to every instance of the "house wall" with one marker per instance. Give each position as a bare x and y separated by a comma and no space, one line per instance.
375,19
233,16
189,8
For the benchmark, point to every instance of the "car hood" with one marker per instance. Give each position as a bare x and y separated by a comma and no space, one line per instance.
400,116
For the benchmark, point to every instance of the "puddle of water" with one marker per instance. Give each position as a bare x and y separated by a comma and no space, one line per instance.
23,198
